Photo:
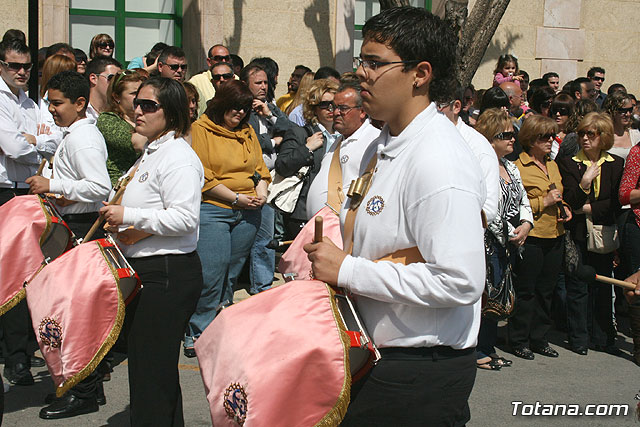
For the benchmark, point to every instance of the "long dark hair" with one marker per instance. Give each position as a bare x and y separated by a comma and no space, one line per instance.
173,98
233,94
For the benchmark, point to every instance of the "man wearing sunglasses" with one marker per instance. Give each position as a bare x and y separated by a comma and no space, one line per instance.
172,63
583,88
100,71
22,143
293,84
596,75
205,82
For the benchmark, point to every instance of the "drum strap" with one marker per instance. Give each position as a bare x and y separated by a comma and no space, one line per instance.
335,195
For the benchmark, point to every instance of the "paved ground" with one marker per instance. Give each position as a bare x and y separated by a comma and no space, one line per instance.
571,379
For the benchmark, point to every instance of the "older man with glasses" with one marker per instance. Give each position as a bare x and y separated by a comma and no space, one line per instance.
204,81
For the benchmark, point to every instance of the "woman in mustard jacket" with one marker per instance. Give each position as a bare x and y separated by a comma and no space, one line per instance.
235,189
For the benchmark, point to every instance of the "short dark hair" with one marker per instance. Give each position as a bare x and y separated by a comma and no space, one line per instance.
236,60
548,75
415,34
593,70
72,84
155,51
302,67
576,85
14,34
60,47
562,100
232,94
325,73
616,87
250,69
13,45
455,93
494,98
171,51
80,55
98,64
173,98
219,64
540,95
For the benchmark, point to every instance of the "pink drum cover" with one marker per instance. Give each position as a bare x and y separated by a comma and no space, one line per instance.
23,222
295,260
77,313
279,358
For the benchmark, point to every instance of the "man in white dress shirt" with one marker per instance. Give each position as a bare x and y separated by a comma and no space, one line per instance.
356,133
425,199
481,148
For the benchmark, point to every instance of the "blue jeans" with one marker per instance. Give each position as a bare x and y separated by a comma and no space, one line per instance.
262,263
226,236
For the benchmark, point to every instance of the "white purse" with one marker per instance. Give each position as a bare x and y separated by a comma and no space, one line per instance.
284,192
601,239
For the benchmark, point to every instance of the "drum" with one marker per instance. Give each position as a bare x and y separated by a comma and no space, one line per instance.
57,238
128,280
363,354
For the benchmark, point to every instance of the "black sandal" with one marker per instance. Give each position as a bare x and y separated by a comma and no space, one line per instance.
491,365
505,363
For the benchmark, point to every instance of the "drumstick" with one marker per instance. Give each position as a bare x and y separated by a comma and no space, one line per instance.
41,167
113,201
317,236
588,274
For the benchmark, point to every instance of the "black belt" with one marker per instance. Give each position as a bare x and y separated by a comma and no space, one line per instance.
413,353
87,216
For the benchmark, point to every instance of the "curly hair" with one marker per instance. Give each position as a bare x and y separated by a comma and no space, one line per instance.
318,88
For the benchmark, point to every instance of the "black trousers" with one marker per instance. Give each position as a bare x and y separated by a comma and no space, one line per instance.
415,387
15,323
155,324
534,283
589,306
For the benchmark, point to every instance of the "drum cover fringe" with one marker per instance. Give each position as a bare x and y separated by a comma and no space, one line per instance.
106,345
13,301
335,415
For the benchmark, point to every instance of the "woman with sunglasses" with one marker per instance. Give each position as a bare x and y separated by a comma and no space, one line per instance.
117,123
570,144
591,180
305,146
235,189
620,108
508,232
158,219
540,100
101,45
561,109
537,272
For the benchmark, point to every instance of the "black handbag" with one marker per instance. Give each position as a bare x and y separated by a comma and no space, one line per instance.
571,258
500,297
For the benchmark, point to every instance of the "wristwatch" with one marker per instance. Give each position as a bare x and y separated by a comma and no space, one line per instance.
235,202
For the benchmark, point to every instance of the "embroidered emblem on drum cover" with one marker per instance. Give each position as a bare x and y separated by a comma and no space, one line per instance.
375,205
344,159
50,332
235,403
143,177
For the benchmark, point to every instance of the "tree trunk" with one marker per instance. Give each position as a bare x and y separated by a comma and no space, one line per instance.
475,32
387,4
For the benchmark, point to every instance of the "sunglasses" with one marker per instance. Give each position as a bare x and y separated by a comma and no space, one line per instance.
624,110
562,111
344,109
245,108
225,76
546,136
17,66
107,76
174,67
104,45
326,105
220,58
589,133
146,105
505,136
600,79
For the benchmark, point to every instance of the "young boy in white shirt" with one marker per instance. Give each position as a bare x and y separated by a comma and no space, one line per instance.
80,177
